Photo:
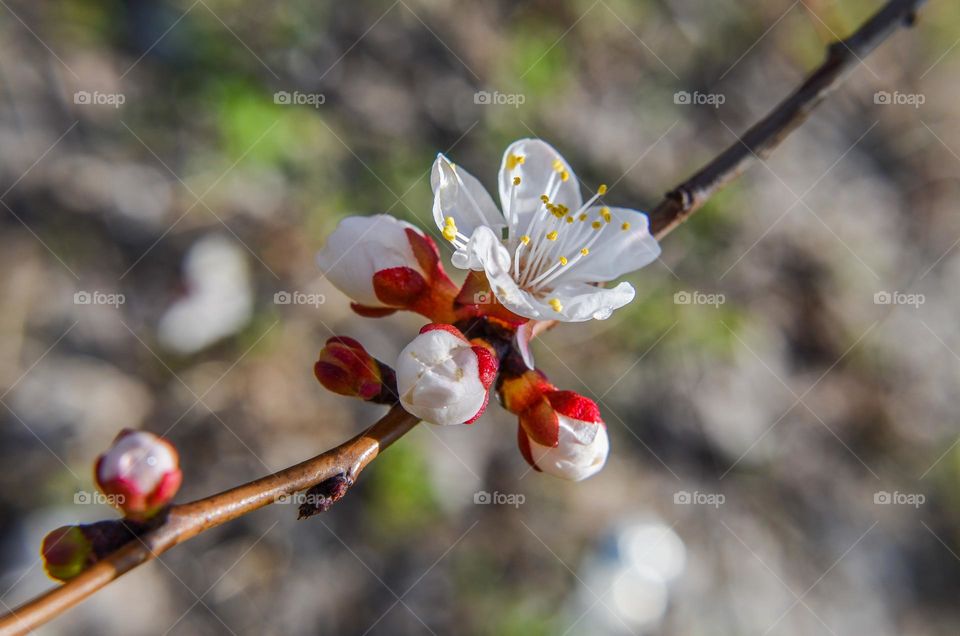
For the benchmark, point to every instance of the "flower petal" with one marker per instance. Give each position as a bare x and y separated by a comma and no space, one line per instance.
458,194
362,246
537,172
617,251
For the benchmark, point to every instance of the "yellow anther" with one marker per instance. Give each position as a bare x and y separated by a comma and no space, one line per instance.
596,225
449,221
569,219
450,232
585,251
545,198
557,306
605,213
583,217
514,160
602,190
525,239
558,165
563,260
552,236
625,227
564,175
516,181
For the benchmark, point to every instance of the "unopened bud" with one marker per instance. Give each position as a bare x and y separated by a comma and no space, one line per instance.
140,472
345,368
442,378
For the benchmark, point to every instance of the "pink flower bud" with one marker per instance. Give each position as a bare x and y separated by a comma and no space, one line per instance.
66,552
566,438
141,471
345,368
442,378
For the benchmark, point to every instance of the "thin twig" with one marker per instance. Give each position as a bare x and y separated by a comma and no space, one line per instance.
188,520
842,57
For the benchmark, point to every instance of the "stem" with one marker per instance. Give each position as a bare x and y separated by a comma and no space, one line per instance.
765,135
188,520
351,457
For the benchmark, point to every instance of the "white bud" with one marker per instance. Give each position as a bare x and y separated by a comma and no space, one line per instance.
441,379
581,451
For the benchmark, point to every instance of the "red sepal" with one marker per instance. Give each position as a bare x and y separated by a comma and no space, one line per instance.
425,251
371,312
487,365
575,406
398,286
541,423
524,442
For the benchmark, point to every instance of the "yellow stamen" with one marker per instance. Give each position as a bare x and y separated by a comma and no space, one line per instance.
564,175
605,213
569,219
625,227
596,225
514,160
583,217
552,236
558,165
450,232
545,198
585,251
557,307
602,190
525,239
563,260
516,181
449,221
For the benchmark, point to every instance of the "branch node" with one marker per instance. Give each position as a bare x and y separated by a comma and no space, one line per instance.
321,497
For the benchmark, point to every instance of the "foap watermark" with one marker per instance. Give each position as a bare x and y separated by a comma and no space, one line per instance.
298,298
496,498
698,298
696,98
897,498
898,298
98,298
84,498
96,98
896,98
496,98
301,498
697,498
296,98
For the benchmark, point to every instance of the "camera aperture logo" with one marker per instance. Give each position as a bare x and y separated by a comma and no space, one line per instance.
98,298
896,98
296,98
697,498
897,498
496,98
84,498
696,98
483,498
96,98
698,298
482,298
298,298
898,298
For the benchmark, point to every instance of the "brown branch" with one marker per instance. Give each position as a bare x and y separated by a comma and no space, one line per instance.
187,520
765,135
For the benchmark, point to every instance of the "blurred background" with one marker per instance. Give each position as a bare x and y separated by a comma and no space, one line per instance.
780,397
